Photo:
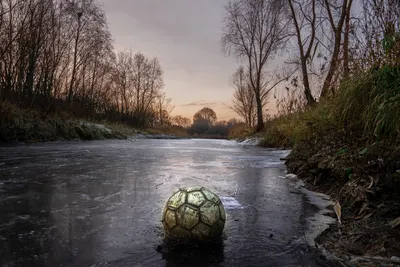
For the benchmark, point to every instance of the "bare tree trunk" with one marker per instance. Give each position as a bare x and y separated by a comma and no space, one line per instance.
244,100
307,89
346,68
337,29
305,55
260,118
75,60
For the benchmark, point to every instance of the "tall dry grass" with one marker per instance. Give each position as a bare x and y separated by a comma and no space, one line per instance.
368,102
372,102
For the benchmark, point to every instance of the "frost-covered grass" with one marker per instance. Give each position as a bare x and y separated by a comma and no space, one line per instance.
29,126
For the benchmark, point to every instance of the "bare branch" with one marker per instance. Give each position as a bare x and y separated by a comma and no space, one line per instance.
255,30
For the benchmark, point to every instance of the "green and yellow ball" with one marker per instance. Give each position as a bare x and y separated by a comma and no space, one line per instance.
194,213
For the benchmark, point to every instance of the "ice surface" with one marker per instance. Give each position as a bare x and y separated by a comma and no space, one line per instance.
231,203
319,222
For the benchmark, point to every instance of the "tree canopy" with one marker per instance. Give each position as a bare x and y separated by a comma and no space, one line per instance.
205,115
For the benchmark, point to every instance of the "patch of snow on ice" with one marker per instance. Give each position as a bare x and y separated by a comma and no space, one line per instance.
254,141
231,203
100,127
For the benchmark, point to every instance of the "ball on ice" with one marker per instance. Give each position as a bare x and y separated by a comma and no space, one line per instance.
194,213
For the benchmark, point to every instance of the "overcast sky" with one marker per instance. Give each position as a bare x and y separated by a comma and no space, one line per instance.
185,36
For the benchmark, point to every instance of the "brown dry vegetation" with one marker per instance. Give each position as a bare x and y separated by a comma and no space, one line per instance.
364,178
57,57
349,148
20,125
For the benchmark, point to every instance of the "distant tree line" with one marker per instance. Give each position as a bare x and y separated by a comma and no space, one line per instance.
320,41
205,124
57,55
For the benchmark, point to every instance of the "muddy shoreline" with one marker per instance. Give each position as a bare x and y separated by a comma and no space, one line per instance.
365,180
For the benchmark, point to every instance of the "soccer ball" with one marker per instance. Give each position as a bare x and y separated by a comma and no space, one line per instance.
193,213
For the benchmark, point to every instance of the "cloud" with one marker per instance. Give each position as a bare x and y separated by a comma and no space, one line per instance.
199,103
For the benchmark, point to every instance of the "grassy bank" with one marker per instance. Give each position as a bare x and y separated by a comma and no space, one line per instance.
349,147
30,126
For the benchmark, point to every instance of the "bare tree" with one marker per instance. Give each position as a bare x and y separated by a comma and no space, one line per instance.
58,55
255,31
163,109
78,12
337,30
304,18
123,81
181,121
244,102
152,84
138,81
322,31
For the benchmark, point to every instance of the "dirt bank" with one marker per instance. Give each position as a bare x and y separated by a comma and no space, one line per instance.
19,125
28,129
365,179
48,130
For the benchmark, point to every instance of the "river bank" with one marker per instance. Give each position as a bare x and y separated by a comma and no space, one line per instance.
28,126
49,130
365,181
348,147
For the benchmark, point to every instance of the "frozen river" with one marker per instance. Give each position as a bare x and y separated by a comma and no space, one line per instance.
99,204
